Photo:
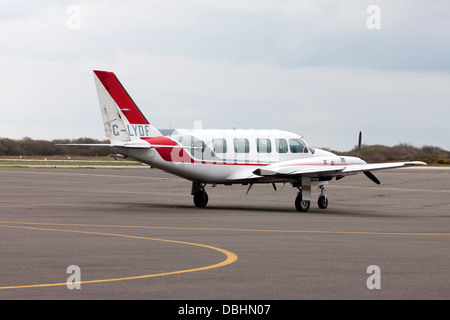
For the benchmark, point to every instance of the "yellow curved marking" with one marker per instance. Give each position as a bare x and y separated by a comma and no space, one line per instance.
231,257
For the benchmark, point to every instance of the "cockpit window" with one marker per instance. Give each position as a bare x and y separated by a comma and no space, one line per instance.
297,146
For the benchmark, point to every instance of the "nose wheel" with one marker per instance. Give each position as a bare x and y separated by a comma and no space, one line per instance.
323,200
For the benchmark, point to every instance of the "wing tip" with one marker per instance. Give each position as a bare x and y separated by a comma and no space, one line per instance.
415,163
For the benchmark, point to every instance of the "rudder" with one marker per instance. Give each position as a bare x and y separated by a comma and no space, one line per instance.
123,121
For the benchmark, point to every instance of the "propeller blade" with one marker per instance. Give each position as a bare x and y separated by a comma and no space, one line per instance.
372,177
359,144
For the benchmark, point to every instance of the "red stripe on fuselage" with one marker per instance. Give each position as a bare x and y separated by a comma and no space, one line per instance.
169,154
180,155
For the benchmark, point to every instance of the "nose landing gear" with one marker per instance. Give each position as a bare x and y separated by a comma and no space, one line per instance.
323,200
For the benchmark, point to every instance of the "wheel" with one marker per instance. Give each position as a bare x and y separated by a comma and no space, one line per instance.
323,202
300,204
200,199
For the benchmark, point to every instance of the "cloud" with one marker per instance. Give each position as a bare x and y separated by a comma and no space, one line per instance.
305,66
414,34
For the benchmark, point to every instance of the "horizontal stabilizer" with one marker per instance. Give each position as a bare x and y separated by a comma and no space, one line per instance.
136,144
124,145
85,144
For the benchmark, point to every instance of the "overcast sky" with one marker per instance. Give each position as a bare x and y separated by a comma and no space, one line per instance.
322,69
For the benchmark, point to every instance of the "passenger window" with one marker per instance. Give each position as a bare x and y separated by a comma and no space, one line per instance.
281,145
241,145
220,145
198,145
297,146
263,145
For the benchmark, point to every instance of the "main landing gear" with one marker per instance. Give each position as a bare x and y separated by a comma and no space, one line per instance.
302,203
200,195
200,199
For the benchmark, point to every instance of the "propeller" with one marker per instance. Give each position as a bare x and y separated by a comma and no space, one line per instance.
368,174
371,177
359,144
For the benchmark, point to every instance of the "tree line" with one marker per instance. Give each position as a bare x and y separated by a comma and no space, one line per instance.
400,152
370,153
31,147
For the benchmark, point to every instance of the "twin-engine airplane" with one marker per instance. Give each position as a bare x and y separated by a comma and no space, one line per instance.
226,157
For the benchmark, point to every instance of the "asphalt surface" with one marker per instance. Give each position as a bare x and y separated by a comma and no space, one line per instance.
135,234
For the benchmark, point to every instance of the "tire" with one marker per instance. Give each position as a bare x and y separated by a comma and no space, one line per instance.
323,202
200,199
300,204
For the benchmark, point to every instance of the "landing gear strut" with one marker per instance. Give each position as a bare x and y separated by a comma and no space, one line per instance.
200,195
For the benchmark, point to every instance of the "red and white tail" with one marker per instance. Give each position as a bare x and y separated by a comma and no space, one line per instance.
122,118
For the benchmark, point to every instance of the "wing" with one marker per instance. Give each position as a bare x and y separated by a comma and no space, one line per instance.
380,166
292,170
303,170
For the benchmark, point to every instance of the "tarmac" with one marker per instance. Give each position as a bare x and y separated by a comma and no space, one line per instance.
135,234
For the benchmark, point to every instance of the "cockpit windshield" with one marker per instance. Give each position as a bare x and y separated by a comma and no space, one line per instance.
297,146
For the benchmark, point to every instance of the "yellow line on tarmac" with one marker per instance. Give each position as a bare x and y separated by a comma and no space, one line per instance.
231,257
94,175
240,230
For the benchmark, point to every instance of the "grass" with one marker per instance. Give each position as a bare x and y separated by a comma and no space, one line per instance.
54,162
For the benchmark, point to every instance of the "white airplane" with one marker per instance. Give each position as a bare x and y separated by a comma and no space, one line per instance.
226,157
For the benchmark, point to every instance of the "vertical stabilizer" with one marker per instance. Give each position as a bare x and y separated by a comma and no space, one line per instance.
122,119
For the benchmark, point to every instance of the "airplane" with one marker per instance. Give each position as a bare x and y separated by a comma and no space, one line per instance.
224,157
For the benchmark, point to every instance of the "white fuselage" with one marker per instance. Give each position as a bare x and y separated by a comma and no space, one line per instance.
223,156
230,156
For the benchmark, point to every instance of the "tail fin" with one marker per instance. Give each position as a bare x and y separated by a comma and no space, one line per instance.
122,118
